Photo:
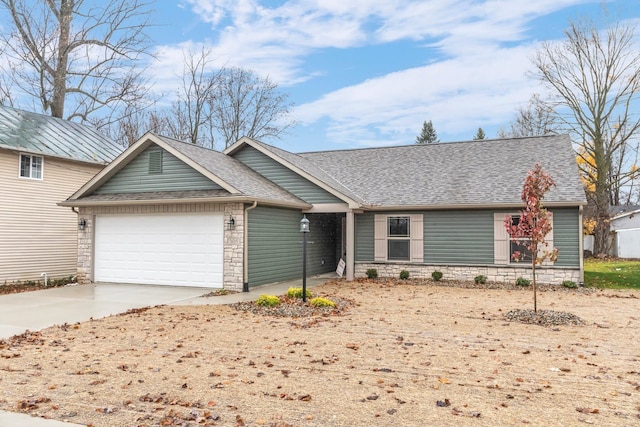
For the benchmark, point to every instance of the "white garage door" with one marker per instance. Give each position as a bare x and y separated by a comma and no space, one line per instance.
180,250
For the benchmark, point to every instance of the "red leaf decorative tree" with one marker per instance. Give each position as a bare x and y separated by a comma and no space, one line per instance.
534,224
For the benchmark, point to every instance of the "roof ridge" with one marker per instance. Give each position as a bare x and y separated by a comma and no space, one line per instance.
435,144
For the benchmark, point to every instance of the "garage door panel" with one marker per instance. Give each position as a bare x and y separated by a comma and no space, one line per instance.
183,250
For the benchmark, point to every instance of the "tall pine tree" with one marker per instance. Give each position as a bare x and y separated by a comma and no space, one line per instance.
428,134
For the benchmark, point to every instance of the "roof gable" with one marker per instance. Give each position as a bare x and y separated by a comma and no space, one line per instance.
283,176
233,179
39,134
302,167
172,174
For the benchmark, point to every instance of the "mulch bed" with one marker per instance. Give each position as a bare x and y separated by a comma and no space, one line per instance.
295,307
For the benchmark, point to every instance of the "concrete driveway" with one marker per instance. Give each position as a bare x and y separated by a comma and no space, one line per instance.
69,304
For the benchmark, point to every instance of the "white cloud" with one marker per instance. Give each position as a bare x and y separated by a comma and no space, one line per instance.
275,40
458,94
479,81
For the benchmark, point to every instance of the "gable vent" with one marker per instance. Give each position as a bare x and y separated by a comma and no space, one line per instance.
155,162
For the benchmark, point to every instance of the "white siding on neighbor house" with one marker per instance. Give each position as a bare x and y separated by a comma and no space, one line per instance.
628,243
626,222
37,236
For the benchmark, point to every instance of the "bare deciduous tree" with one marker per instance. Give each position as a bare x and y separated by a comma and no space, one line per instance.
248,105
595,76
72,57
191,113
536,119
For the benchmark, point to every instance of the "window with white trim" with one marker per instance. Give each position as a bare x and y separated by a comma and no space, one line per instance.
399,238
30,166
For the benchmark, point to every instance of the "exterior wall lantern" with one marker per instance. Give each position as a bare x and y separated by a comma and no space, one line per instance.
231,223
82,224
304,229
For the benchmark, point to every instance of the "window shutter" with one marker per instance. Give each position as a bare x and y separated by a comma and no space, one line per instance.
417,238
500,240
380,238
549,239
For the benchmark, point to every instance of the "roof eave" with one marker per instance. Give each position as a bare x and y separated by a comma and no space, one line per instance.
622,215
44,154
468,206
78,203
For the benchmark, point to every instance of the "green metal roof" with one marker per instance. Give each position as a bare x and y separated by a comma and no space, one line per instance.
36,133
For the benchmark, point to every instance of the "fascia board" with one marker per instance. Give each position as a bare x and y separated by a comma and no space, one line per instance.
622,215
469,206
230,199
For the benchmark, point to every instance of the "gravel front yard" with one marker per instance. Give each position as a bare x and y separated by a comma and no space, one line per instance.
393,353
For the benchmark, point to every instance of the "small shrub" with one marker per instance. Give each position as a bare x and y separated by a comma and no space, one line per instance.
372,273
404,275
521,281
268,300
569,284
480,279
297,293
436,275
322,302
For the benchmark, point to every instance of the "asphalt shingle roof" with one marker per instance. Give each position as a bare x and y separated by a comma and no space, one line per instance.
37,133
454,174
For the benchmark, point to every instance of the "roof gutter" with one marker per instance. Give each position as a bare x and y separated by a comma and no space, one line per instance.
245,248
466,206
174,201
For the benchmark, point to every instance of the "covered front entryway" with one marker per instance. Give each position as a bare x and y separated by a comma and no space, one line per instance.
160,249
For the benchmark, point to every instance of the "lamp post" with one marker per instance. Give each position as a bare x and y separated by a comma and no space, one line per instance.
304,229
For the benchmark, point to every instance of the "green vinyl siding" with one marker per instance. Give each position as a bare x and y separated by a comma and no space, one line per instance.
284,177
364,230
275,248
466,237
566,235
458,237
171,175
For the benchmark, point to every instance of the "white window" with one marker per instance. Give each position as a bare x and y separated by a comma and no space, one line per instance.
504,245
399,238
30,166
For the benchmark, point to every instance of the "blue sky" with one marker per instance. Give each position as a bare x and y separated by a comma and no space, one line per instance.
368,73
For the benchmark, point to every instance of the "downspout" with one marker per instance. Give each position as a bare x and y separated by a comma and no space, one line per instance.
245,245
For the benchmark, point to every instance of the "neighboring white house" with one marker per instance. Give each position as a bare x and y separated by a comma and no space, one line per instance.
42,161
625,227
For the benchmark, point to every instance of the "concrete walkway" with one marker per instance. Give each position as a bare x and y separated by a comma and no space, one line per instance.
78,303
